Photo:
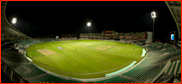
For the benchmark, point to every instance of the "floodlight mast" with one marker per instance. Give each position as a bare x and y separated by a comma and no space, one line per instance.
88,24
153,15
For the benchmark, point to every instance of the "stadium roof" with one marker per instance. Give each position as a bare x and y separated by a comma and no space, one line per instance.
6,27
175,9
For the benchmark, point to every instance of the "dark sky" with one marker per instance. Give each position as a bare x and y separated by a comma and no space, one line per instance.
45,18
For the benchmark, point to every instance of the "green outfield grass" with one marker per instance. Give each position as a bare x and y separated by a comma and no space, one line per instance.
84,58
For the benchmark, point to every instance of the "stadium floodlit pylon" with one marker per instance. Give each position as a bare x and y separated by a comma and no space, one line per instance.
153,15
88,24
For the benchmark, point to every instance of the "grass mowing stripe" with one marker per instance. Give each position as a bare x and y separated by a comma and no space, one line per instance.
79,58
112,49
91,56
86,59
119,49
36,46
51,58
61,62
131,52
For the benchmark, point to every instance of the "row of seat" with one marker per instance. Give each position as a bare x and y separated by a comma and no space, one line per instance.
26,70
174,68
160,57
171,71
34,41
12,57
142,73
117,79
154,46
148,69
151,67
34,75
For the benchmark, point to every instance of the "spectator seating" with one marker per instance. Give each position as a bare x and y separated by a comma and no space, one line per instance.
149,68
117,79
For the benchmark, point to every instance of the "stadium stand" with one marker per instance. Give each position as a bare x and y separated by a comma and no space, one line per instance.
20,65
16,65
117,79
165,69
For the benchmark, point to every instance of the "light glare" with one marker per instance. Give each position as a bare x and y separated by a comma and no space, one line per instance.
88,24
14,20
153,14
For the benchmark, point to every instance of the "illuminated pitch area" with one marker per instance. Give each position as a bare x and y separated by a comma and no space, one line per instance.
84,58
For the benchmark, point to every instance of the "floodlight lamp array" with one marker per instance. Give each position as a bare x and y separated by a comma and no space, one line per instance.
14,20
153,14
88,24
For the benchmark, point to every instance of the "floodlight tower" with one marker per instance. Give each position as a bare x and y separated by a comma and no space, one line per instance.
88,24
14,21
153,15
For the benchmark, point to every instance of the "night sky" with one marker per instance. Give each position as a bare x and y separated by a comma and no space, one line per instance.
55,18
